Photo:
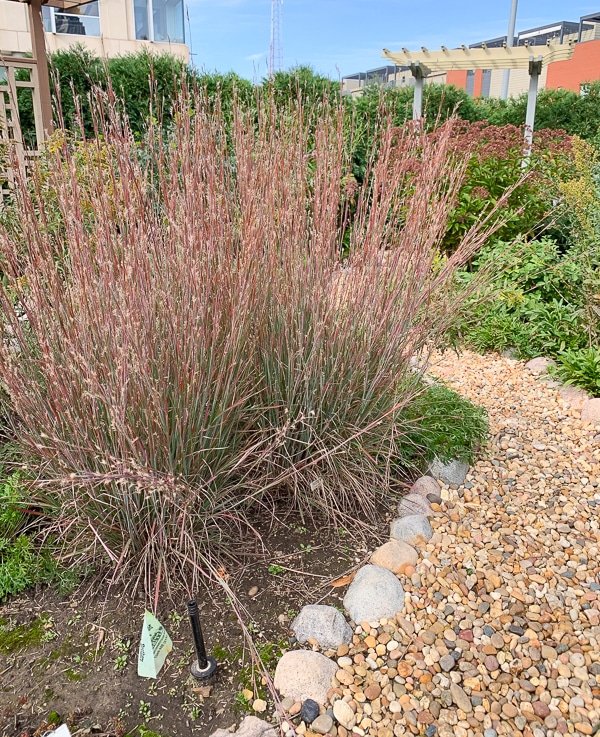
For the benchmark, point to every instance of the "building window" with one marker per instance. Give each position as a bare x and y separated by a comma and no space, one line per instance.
83,20
486,82
159,20
470,88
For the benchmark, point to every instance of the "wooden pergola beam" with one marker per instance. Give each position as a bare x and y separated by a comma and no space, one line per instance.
425,62
38,46
482,57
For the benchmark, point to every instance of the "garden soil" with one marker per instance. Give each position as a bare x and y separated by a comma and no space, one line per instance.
76,658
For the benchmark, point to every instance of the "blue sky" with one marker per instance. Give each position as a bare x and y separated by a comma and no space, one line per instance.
338,38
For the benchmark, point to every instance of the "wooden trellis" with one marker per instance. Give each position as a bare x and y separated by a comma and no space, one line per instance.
19,95
18,75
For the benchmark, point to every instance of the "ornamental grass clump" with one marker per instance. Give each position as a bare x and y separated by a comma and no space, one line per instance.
183,343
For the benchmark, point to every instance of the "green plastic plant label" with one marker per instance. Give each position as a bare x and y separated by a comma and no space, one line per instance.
155,645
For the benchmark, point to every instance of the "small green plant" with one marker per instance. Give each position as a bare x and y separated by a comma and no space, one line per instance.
581,368
241,699
298,528
275,570
194,711
12,518
183,662
175,619
145,710
123,647
48,624
22,565
54,718
305,548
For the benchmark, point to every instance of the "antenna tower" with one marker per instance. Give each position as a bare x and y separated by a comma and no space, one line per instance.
276,57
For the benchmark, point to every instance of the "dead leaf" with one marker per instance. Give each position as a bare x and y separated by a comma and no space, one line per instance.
204,691
343,580
100,639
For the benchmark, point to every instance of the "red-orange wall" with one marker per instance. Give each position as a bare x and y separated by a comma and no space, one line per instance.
458,79
583,66
477,82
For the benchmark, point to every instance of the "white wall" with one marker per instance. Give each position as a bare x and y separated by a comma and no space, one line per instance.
116,27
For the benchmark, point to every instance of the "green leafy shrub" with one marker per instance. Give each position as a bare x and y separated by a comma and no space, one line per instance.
580,367
18,566
12,518
439,422
552,327
536,304
189,342
22,563
546,293
496,167
555,109
145,83
22,566
495,327
17,557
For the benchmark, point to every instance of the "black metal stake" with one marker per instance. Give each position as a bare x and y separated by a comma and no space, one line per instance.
205,665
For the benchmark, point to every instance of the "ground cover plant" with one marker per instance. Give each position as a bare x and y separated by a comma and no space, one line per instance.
185,340
23,562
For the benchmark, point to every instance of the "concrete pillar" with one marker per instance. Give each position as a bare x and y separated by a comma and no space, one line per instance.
509,42
535,69
417,72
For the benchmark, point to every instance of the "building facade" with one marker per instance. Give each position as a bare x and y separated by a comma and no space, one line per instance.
106,27
386,76
583,67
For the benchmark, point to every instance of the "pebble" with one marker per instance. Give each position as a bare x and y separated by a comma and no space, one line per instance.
500,629
309,711
460,698
447,662
344,714
491,663
322,724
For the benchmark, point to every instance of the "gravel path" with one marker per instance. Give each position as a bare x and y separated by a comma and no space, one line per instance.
501,632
